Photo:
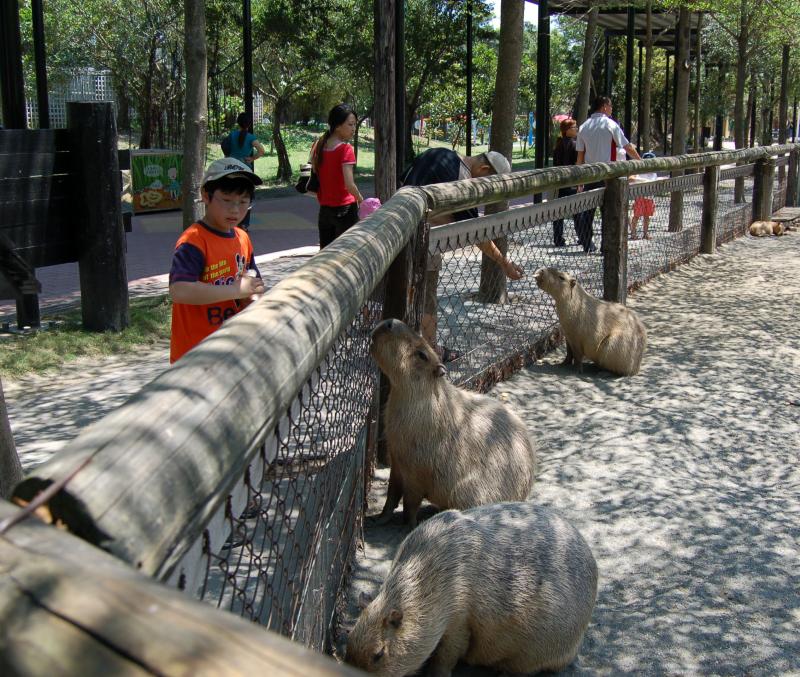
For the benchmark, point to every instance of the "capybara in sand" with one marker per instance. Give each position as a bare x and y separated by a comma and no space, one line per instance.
457,448
762,228
511,586
608,333
778,228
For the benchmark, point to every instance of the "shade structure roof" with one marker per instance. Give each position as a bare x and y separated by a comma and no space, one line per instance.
614,20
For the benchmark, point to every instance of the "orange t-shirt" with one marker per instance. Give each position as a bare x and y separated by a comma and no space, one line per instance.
206,255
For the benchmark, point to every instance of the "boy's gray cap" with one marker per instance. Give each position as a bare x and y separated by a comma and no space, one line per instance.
498,162
232,167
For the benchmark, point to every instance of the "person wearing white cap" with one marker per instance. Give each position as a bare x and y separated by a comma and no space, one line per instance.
439,165
213,273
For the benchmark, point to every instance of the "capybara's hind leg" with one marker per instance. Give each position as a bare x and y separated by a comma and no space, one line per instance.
394,493
452,646
411,503
568,359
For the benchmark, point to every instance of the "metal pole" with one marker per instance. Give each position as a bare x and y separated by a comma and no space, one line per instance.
542,77
469,78
12,86
629,75
666,104
247,53
41,66
794,122
400,86
607,83
639,104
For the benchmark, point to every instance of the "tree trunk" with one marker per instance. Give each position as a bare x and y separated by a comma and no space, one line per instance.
10,468
648,79
196,126
783,105
148,116
751,108
582,106
493,281
284,166
680,120
385,119
696,126
739,114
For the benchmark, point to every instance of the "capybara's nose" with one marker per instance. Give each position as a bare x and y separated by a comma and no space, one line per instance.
537,274
382,327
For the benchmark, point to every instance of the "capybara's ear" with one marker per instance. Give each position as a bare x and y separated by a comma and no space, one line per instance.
573,282
395,618
364,600
441,370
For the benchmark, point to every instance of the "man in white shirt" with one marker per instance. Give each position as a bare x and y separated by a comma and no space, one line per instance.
598,140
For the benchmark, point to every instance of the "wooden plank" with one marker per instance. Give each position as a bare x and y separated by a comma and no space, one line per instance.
34,188
161,465
16,165
33,140
64,603
36,212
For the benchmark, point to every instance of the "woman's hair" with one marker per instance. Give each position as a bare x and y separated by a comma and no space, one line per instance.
566,125
243,120
337,116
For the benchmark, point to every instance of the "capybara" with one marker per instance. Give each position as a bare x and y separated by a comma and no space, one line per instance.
778,228
761,228
457,448
510,585
609,334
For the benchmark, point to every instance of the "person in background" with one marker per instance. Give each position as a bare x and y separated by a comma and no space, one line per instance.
643,207
598,139
334,162
245,147
438,165
213,274
564,155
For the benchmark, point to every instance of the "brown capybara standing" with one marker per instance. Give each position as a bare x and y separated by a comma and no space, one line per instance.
511,586
456,448
609,334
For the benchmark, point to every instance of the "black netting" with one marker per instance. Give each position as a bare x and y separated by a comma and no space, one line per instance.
279,550
733,219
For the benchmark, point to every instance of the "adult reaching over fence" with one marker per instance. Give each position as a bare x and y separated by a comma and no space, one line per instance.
440,165
334,160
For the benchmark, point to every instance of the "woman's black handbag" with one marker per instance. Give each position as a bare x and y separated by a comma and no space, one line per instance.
308,181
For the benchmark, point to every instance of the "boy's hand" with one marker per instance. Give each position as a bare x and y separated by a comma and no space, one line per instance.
250,286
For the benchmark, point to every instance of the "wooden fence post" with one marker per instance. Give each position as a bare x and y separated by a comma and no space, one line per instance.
763,187
791,181
708,221
96,191
615,240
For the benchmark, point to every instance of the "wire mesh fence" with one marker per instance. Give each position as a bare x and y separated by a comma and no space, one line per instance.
733,218
276,553
779,189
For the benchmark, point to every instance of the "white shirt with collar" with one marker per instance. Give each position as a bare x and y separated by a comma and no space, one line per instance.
599,138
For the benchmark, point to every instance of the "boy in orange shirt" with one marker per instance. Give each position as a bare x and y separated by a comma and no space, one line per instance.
209,280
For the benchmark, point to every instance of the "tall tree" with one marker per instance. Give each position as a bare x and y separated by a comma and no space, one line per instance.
196,107
647,85
582,107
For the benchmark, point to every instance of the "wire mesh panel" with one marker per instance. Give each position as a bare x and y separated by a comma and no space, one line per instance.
278,550
733,219
485,321
655,246
779,188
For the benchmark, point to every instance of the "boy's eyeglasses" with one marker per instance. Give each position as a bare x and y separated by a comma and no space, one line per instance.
237,205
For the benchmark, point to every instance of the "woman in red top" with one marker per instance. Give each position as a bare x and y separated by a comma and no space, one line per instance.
334,160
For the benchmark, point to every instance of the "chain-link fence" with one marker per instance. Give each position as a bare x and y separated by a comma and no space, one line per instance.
733,219
779,190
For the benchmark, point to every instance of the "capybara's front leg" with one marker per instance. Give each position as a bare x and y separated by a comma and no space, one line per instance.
577,359
568,359
411,503
452,647
394,493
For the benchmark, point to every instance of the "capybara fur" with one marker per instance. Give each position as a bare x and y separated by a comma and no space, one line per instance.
778,228
609,334
456,448
510,585
761,228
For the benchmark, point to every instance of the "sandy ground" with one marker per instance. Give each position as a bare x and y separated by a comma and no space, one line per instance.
683,479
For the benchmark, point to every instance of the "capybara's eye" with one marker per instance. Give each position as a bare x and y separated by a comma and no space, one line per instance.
422,355
378,656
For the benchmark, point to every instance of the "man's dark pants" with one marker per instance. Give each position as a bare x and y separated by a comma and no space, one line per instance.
585,221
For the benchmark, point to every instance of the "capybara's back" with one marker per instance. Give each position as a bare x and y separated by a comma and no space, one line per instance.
509,585
762,228
456,448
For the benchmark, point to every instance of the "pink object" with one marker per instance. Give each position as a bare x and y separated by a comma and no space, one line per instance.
368,206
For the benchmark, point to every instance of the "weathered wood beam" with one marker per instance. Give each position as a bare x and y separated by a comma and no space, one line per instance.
162,464
763,188
708,220
615,241
69,608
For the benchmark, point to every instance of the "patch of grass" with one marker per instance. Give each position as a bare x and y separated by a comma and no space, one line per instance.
65,339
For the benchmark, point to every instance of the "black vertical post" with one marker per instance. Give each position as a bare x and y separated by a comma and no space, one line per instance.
469,78
400,85
763,187
718,118
666,105
95,164
608,80
639,104
629,75
542,77
753,120
12,86
247,53
41,64
794,122
708,220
